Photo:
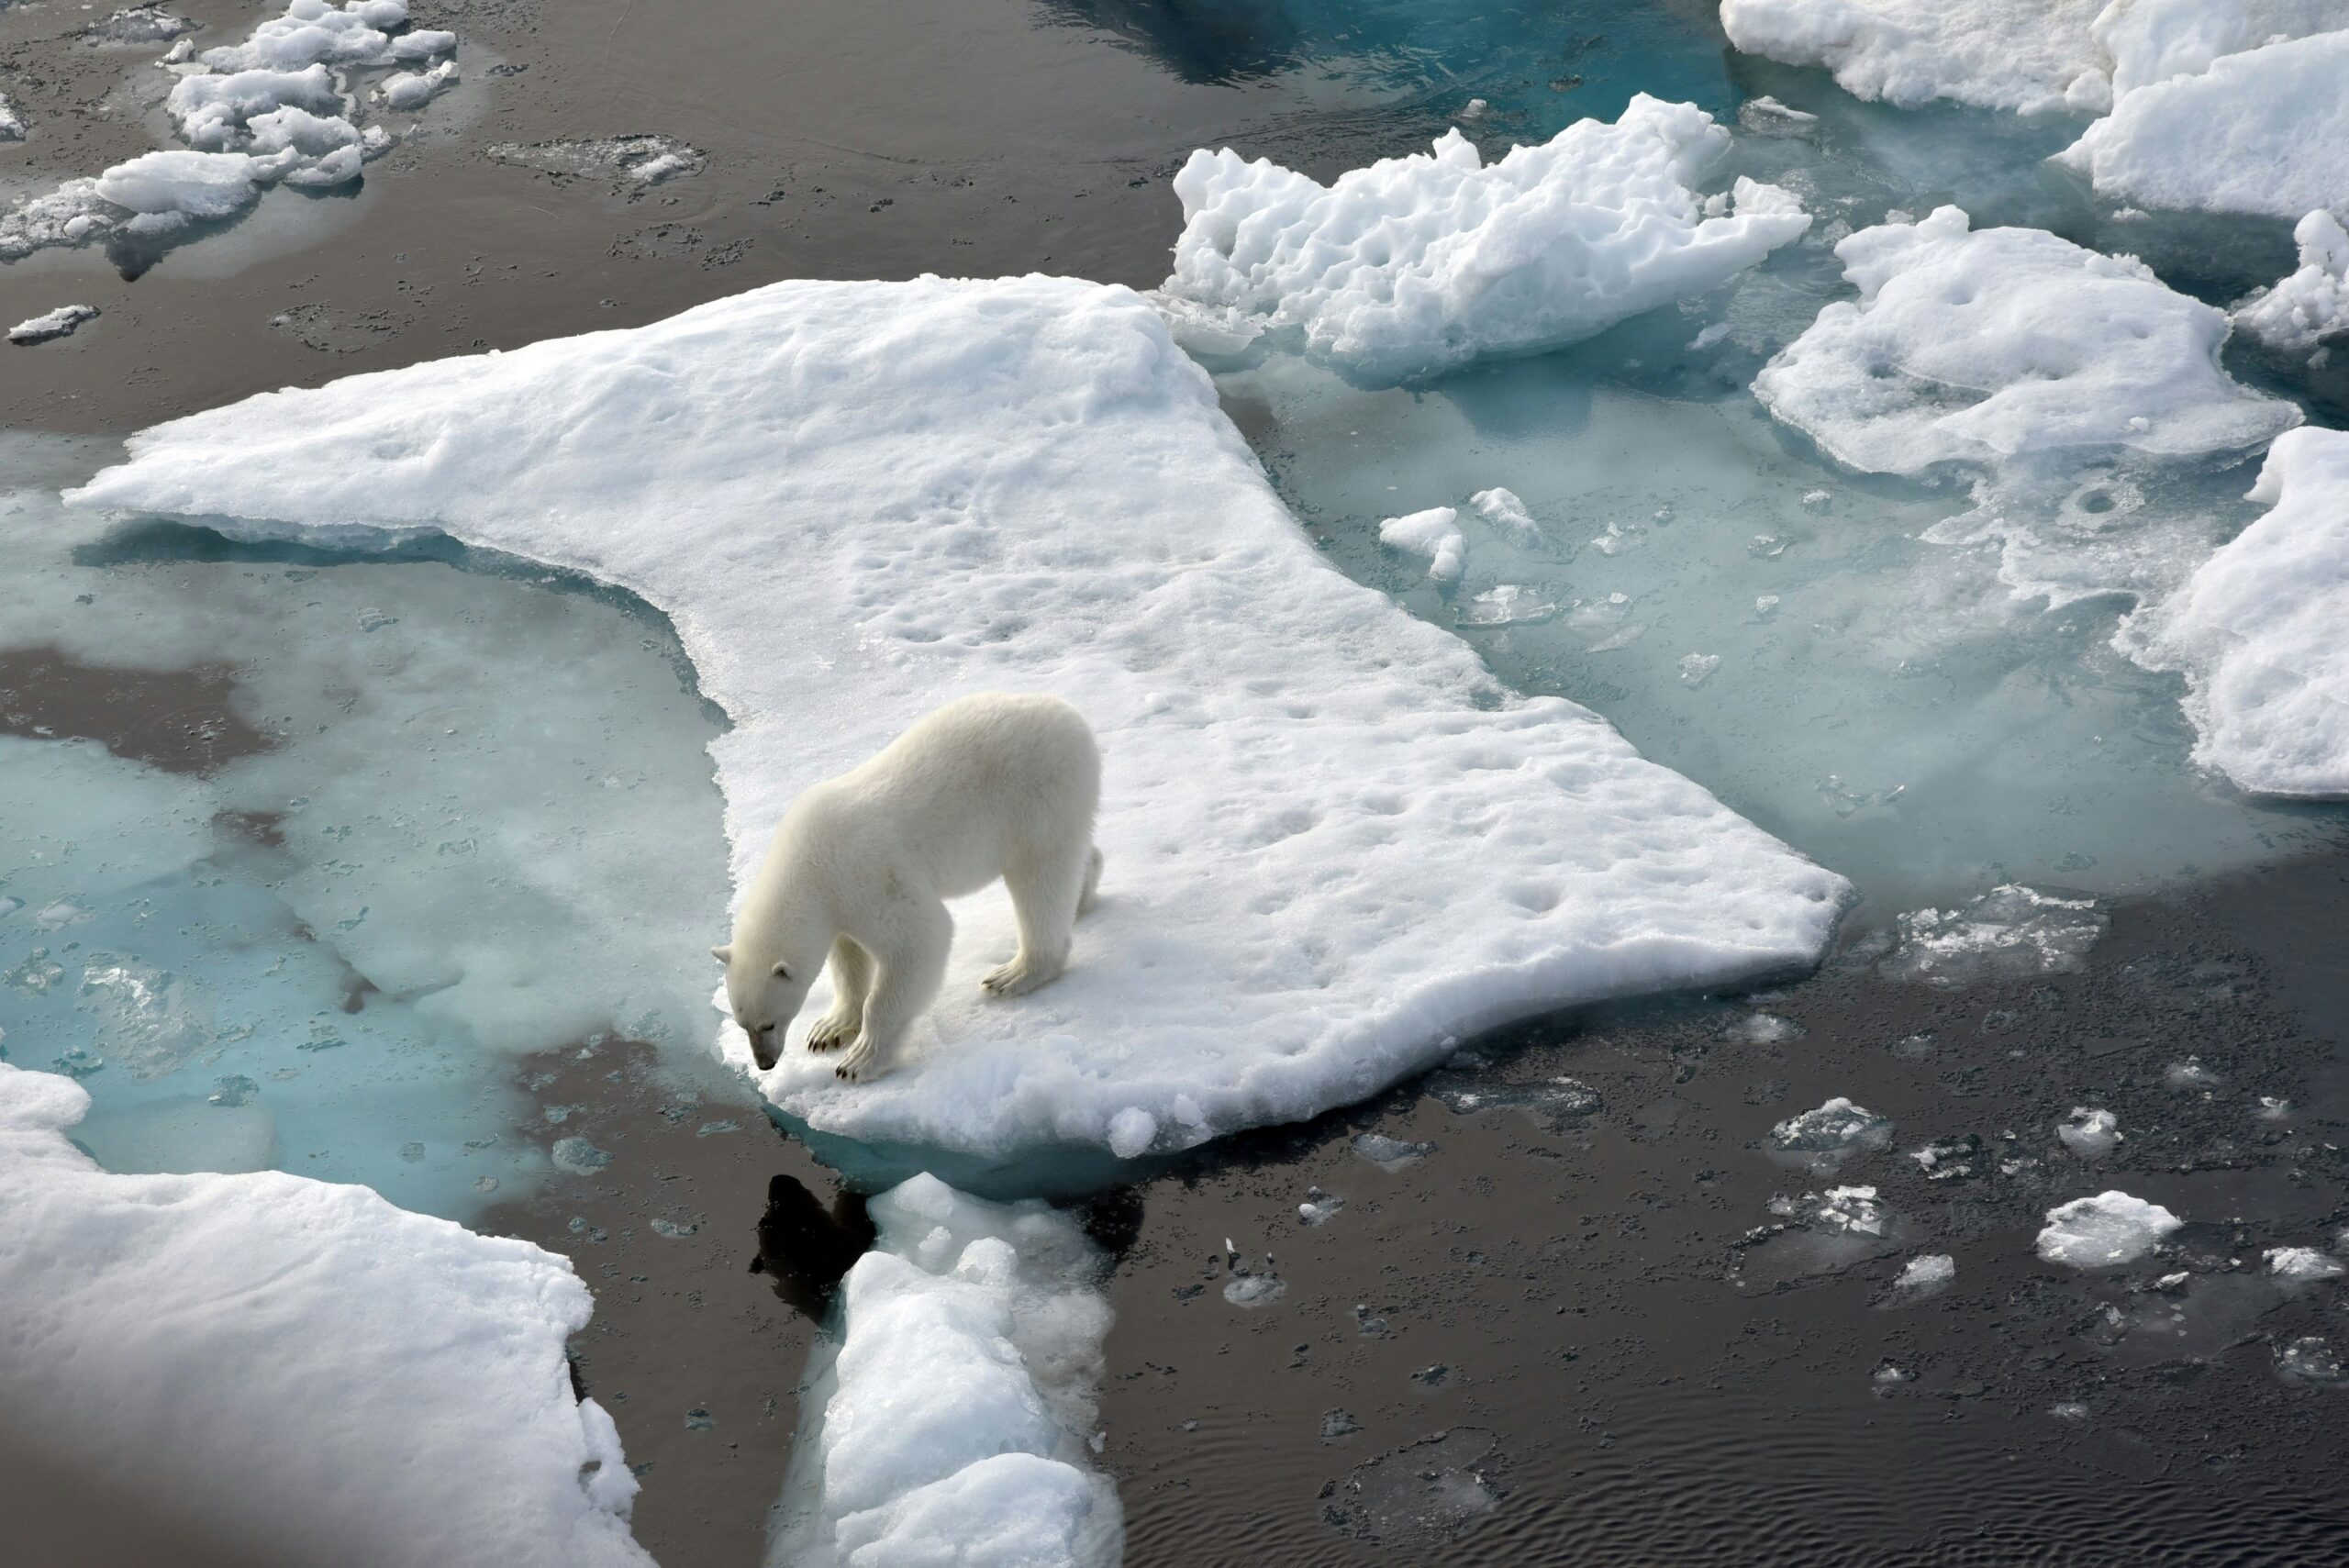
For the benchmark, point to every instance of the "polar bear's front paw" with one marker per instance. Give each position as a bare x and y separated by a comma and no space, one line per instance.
860,1063
831,1032
1019,977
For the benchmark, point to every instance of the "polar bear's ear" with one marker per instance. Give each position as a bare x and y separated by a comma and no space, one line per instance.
783,972
723,955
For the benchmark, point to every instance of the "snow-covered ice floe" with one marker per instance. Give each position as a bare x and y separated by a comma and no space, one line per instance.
2257,630
2312,304
2261,130
952,1422
324,1376
1334,843
2036,56
63,322
2110,1229
1416,264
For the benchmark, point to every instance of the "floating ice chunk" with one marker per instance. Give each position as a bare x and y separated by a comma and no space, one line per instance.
1390,1154
1203,633
1419,1498
2189,1073
2257,631
2036,56
2265,130
1839,1126
2302,1264
168,189
1983,346
578,1156
1852,1210
1507,604
411,89
2312,304
1763,1029
138,25
1415,264
2090,1134
244,1346
312,33
1318,1207
1253,1290
1929,1271
12,125
2111,1227
1434,536
2009,931
630,160
1508,517
1695,669
2309,1359
963,1394
58,322
1765,115
212,111
1131,1132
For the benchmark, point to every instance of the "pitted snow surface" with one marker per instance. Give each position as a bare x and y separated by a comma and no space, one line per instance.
332,1378
1416,264
1332,842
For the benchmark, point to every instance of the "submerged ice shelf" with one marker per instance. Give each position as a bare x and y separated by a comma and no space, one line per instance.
313,905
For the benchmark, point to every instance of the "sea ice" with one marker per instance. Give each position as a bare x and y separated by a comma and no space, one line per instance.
1434,537
2111,1227
2090,1134
1851,1210
333,1378
2008,932
2257,630
1508,517
1839,1126
1984,346
1415,264
2036,56
2302,1264
1390,1154
2265,130
1321,813
12,125
411,89
632,161
955,1418
58,322
1928,1271
2311,305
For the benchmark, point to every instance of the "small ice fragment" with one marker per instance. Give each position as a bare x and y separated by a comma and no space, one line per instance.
2302,1263
1253,1291
2069,1410
1474,109
712,1128
234,1090
1131,1131
674,1229
2272,1107
1433,535
63,322
1834,1128
411,89
1319,1206
1695,669
1853,1209
1508,516
1337,1424
1390,1154
411,1153
2010,931
1709,336
579,1157
1509,603
1930,1271
2111,1227
2190,1075
2308,1358
1763,1029
699,1420
2090,1134
1764,605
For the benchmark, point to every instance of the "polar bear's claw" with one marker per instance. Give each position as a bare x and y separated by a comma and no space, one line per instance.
830,1034
1014,979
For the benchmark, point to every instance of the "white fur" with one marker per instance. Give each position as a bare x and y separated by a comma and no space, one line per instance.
996,784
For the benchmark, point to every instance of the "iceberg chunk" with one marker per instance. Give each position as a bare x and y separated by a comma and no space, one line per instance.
332,1378
1413,265
2311,305
2108,1229
1333,841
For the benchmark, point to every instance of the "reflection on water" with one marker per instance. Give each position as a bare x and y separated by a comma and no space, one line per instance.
303,850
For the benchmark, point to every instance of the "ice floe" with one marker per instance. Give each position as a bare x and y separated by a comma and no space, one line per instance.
1985,346
63,322
953,1421
2257,631
2311,305
1925,1273
1333,843
2108,1229
1837,1127
2263,130
2302,1264
628,161
329,1377
2036,56
2090,1134
1414,264
2009,932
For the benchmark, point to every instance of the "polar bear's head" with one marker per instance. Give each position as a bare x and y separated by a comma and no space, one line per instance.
766,993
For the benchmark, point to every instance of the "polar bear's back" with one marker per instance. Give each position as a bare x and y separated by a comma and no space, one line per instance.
985,781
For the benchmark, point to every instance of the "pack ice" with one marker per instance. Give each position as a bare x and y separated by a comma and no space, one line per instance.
1416,264
953,1421
2036,56
330,1377
2257,631
1334,843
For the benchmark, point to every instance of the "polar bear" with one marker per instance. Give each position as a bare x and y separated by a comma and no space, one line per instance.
995,785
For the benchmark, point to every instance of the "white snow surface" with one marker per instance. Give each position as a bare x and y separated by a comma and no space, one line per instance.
962,1403
1984,346
332,1378
1416,264
1333,843
2257,631
2108,1229
2036,56
1434,536
2265,130
2310,304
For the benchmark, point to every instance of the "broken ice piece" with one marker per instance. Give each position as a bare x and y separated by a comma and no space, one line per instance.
1838,1126
2108,1229
2090,1134
1319,1206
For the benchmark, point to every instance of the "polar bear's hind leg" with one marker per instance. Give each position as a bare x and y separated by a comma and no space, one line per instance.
1046,893
852,980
